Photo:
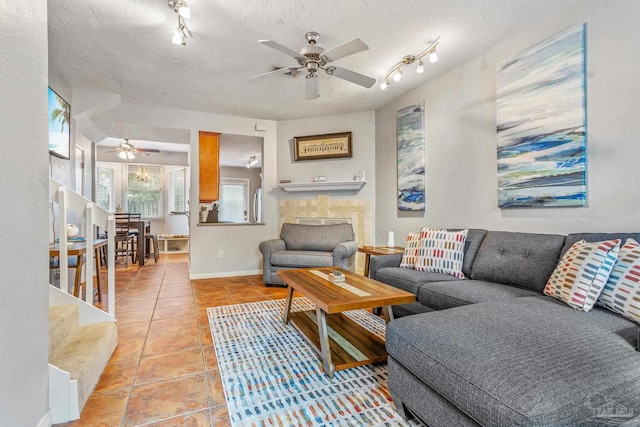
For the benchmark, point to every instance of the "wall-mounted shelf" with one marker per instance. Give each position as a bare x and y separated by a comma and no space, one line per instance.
322,186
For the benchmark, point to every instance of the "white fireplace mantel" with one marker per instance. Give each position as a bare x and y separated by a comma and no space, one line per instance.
322,186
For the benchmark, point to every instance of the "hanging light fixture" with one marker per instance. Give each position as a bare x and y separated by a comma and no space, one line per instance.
142,175
396,70
126,155
181,32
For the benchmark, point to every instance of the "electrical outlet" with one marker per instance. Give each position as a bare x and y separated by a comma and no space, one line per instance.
220,254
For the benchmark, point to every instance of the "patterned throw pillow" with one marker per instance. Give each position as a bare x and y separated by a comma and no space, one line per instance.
410,254
582,273
622,292
441,251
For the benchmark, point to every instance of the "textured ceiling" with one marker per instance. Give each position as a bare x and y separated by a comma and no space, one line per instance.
124,47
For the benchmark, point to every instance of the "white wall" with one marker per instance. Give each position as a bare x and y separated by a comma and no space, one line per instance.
239,242
361,125
460,124
24,398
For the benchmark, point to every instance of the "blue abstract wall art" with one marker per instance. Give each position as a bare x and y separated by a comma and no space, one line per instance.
410,134
541,124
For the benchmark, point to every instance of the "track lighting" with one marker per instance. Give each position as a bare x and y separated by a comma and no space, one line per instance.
396,70
181,32
252,161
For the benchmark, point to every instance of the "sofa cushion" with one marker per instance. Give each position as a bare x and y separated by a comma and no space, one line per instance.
475,236
441,251
410,254
522,361
301,259
444,295
408,279
582,273
524,260
597,237
622,291
302,237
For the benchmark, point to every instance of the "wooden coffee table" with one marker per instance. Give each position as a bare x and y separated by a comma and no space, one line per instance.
340,342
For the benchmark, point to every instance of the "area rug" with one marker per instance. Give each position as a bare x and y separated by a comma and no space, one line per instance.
271,377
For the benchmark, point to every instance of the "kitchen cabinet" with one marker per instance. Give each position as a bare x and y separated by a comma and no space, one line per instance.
209,160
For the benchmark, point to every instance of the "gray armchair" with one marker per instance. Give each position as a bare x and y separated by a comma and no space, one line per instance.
307,246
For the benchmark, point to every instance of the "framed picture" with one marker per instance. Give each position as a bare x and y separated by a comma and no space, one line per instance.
59,119
330,146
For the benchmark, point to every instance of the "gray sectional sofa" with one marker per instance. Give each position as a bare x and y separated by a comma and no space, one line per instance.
493,350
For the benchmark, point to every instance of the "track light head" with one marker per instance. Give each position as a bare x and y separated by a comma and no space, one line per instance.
398,75
384,85
433,57
420,68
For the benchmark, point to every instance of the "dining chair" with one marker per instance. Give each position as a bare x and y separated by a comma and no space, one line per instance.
124,240
54,264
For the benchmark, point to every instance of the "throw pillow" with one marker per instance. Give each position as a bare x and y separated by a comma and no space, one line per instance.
582,273
441,251
410,254
622,292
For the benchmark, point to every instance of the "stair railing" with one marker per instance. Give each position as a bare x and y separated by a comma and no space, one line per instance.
93,215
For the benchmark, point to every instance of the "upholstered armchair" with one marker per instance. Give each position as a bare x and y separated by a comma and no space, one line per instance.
307,246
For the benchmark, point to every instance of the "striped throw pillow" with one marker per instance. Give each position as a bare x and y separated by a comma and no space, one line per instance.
410,254
582,273
441,251
622,292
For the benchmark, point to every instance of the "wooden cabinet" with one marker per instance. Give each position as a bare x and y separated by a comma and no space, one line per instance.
209,161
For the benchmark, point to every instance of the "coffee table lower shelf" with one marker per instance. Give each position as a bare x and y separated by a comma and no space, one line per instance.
351,345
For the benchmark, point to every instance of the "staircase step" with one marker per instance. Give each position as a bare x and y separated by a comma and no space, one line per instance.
63,322
85,354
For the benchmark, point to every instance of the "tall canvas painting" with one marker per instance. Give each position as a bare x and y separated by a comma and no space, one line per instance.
541,124
59,117
410,134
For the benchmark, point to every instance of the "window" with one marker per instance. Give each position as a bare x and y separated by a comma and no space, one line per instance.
144,190
233,200
104,188
177,195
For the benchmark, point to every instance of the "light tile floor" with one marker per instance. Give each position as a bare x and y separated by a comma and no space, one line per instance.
164,370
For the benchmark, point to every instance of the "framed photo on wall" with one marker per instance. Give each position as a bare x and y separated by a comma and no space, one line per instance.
329,146
59,119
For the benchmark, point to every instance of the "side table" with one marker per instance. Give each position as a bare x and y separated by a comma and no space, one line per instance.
377,250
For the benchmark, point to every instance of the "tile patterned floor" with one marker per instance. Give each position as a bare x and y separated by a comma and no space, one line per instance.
164,371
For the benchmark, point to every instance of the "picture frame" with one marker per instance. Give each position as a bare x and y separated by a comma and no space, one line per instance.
59,117
328,146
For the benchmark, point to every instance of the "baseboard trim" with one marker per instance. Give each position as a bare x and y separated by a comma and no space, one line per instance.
197,276
46,421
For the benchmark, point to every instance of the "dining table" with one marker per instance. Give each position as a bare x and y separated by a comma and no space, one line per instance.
78,249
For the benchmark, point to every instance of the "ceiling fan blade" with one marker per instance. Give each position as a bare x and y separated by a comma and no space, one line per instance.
346,49
311,89
351,76
271,74
283,49
147,150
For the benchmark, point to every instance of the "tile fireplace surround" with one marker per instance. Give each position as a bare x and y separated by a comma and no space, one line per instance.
324,207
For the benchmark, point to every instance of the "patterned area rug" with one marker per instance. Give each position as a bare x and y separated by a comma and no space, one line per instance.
272,377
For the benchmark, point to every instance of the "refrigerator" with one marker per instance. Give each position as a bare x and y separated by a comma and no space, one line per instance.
257,205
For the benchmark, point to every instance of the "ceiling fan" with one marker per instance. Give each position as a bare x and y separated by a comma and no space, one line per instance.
313,58
127,151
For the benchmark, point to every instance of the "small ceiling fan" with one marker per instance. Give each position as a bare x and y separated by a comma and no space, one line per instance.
127,151
313,58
